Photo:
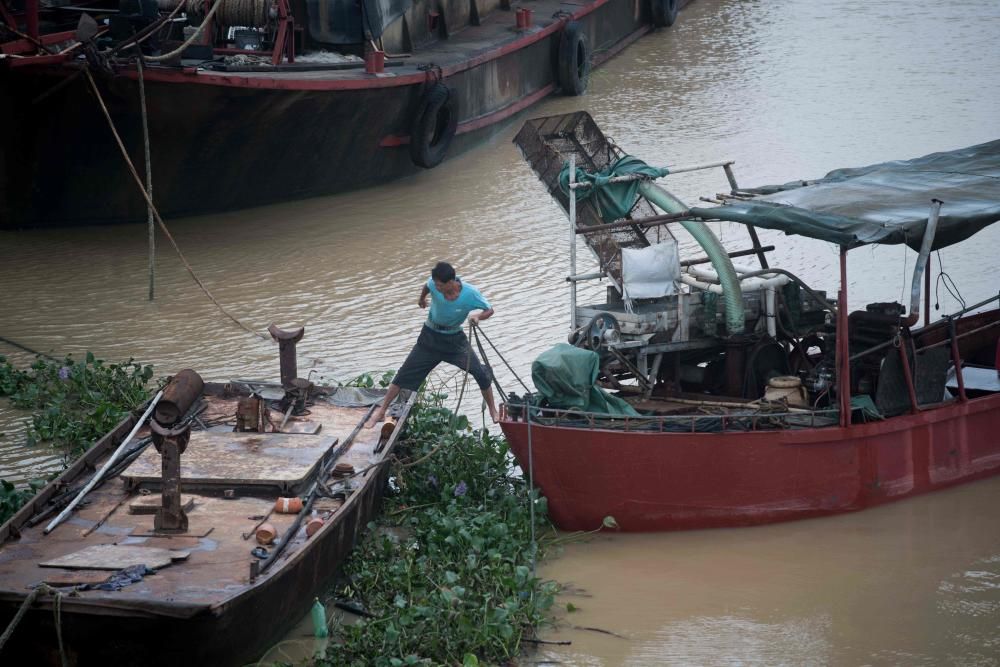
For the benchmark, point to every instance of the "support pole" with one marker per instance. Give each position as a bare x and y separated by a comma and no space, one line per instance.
31,18
843,346
908,376
572,241
927,292
733,187
956,360
149,176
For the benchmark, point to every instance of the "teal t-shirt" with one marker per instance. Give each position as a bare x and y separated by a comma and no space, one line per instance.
448,316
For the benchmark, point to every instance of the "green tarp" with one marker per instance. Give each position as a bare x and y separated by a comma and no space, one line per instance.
565,377
614,200
888,202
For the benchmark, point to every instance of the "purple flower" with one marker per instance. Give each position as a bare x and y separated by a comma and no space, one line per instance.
64,373
461,489
432,480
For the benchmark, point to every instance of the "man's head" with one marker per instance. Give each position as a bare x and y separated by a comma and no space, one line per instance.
443,272
443,275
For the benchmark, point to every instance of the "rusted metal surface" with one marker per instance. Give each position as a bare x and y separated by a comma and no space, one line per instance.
287,340
210,608
170,443
178,397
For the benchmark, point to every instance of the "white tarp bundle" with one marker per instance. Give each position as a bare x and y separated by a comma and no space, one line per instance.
651,272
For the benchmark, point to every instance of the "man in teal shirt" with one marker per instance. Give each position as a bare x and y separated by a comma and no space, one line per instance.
442,339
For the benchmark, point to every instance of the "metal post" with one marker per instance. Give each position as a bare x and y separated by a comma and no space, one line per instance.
956,360
927,292
758,250
843,346
149,177
31,18
572,241
908,376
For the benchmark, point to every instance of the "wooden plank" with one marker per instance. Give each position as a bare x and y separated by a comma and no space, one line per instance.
302,427
116,557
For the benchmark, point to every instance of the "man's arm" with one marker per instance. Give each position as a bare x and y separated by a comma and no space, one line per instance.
422,301
476,318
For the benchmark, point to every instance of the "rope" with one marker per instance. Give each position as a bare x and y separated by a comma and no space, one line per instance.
251,13
23,609
159,220
180,49
516,376
27,349
57,617
496,383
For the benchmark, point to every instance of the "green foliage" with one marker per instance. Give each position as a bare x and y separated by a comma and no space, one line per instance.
368,380
446,571
12,498
74,403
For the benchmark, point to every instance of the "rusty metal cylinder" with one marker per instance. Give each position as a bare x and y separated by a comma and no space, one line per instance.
178,397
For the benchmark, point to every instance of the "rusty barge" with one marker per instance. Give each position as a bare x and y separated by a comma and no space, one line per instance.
294,99
205,547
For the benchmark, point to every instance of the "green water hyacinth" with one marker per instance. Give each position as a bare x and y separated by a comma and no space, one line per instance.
446,572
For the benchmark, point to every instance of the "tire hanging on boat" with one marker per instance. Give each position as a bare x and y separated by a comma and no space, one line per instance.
434,126
664,12
574,60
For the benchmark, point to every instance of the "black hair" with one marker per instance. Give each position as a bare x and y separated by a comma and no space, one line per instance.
443,272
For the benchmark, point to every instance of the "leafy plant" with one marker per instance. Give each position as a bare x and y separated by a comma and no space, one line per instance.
446,571
74,403
13,498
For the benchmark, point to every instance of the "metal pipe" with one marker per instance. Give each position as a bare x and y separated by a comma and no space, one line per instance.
843,348
31,18
738,253
648,222
956,359
586,276
908,377
572,241
930,229
643,177
927,292
107,464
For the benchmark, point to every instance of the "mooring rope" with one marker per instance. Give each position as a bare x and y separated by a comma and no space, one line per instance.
190,40
23,609
156,213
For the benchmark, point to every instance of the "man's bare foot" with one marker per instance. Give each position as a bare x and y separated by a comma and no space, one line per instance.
376,417
495,415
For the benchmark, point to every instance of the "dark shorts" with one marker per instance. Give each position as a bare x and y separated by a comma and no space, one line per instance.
431,349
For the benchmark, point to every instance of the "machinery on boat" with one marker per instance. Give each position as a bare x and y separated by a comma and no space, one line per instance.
751,396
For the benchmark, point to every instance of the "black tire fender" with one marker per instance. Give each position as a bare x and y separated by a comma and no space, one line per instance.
574,60
434,126
663,12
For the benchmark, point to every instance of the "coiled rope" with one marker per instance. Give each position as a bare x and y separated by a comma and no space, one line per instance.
167,56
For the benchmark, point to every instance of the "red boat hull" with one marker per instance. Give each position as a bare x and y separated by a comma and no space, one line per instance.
652,481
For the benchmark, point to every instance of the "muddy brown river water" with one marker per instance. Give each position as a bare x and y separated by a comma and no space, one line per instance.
787,88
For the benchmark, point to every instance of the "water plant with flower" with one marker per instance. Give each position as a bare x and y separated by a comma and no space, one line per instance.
445,574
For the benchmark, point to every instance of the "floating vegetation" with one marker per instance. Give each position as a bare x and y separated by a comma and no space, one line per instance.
445,576
74,403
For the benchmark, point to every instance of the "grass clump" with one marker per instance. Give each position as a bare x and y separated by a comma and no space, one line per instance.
446,571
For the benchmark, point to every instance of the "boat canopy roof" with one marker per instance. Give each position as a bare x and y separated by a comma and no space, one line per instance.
885,203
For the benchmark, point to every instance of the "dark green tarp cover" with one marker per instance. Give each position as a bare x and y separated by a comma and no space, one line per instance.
614,200
565,376
887,203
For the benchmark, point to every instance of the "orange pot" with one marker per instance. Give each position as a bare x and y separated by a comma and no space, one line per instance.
288,505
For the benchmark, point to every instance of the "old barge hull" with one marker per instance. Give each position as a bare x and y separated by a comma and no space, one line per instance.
208,610
155,634
677,481
223,141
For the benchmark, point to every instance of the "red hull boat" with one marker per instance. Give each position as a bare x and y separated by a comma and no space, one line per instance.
857,409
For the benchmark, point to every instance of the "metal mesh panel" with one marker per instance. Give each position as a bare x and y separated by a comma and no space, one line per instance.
546,144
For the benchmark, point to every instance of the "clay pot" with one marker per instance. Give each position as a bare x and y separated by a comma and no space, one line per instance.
288,505
266,534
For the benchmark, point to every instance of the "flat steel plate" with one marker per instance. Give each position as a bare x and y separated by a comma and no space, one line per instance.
231,459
